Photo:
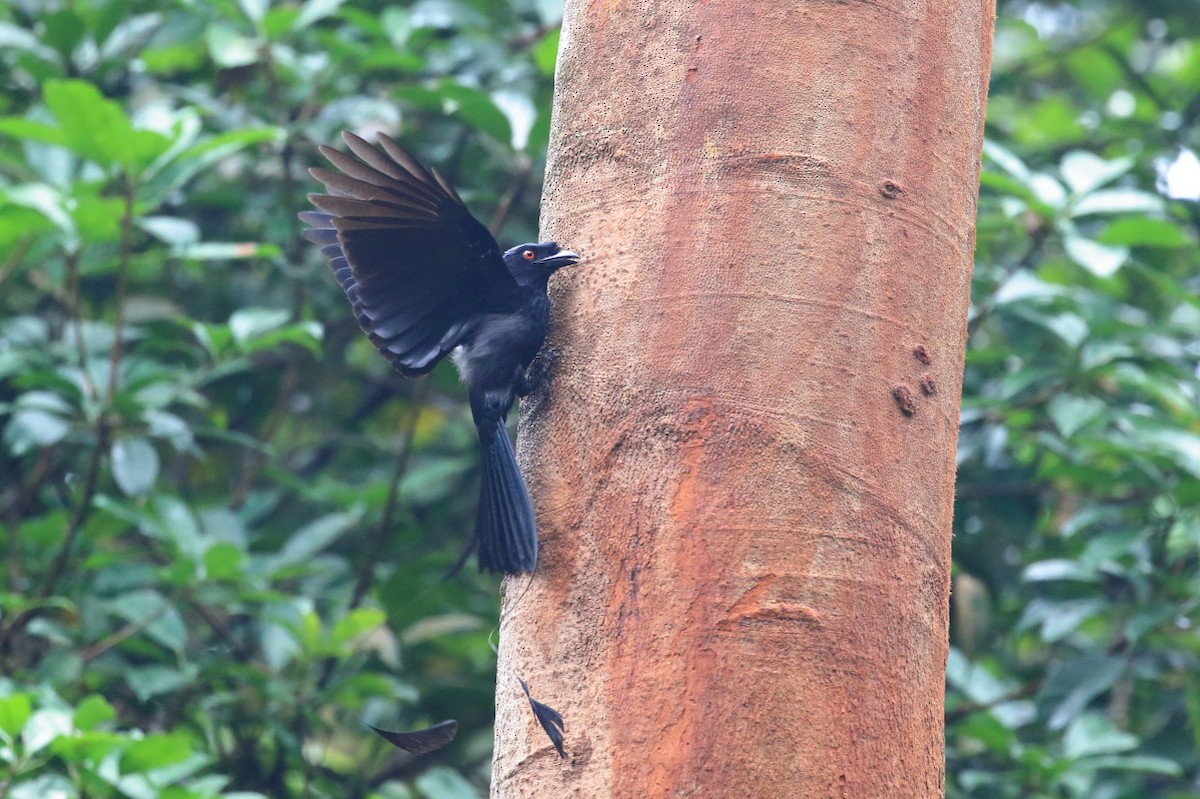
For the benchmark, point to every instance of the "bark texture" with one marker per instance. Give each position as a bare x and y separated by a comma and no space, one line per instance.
744,466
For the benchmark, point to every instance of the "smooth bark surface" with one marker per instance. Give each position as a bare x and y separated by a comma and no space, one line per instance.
744,466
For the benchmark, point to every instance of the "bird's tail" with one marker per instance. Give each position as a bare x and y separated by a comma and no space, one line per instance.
505,527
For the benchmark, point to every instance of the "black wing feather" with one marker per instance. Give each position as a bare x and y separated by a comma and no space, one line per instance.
421,742
550,719
416,267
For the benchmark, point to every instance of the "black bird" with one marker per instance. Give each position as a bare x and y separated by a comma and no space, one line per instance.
426,279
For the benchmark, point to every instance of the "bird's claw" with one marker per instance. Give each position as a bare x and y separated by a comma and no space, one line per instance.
539,372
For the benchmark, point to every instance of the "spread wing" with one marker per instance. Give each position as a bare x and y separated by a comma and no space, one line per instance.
417,268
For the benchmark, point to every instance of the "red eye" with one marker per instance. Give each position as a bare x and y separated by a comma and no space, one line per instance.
527,255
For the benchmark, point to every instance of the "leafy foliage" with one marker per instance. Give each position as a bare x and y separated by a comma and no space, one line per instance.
1075,667
225,521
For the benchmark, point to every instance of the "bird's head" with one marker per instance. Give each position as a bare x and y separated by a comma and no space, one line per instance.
529,262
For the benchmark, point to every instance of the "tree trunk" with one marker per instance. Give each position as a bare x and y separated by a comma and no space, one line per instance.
744,466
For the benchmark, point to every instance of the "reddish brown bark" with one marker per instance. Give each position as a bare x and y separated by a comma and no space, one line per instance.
744,468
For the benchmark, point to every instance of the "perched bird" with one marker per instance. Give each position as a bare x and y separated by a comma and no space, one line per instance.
426,279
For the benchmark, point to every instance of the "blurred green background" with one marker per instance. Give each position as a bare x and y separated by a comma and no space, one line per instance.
225,520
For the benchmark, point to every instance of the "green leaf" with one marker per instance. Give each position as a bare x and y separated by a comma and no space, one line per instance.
177,524
1072,684
436,627
314,10
225,144
167,426
149,608
45,200
1101,260
45,786
98,219
98,129
521,115
197,158
134,465
1056,569
1183,540
312,538
248,323
279,23
545,52
224,561
429,481
1004,158
20,225
440,782
28,430
171,230
1071,328
1192,706
1005,184
1084,171
227,251
93,711
155,752
279,645
230,48
1142,231
1181,446
1050,122
355,623
1144,763
308,633
1063,618
43,727
1070,413
13,38
473,106
306,334
1022,286
147,682
254,10
1093,734
1048,190
30,130
14,712
130,35
63,30
1117,201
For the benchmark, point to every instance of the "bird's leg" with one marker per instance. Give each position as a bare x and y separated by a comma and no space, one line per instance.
538,372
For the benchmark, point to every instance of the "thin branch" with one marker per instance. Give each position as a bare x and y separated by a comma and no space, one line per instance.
126,632
218,626
258,459
533,37
1135,77
378,395
15,255
59,567
114,355
366,569
83,508
75,313
1037,240
80,515
516,187
15,510
1020,692
103,431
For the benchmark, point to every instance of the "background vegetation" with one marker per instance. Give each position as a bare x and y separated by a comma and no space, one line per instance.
225,519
